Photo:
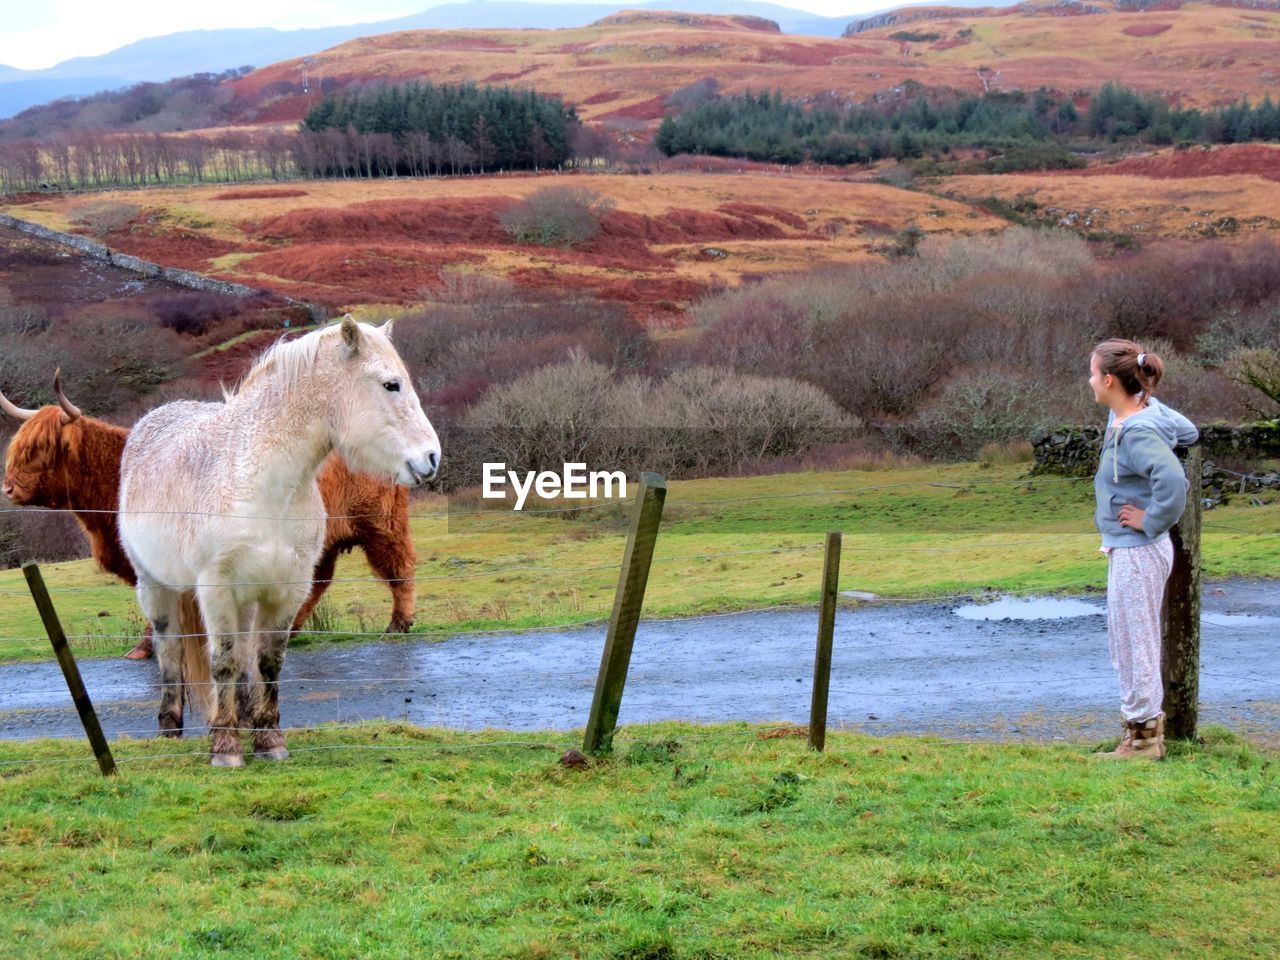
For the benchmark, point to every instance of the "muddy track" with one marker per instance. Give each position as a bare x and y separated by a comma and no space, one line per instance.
919,668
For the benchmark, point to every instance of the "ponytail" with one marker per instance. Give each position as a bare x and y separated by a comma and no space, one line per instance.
1137,370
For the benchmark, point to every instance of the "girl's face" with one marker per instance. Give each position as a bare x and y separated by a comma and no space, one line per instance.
1101,383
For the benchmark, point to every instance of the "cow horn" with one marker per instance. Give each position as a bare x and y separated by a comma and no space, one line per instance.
16,412
69,410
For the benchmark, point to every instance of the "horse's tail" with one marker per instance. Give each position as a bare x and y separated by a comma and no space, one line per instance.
195,658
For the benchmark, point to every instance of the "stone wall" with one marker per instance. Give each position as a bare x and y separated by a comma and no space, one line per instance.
1073,452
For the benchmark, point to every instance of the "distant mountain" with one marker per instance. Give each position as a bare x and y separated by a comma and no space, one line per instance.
213,51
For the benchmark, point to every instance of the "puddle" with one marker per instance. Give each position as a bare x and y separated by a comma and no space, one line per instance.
1052,608
1030,608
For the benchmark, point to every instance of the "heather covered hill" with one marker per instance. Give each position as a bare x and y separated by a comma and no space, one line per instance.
621,70
1190,194
1199,53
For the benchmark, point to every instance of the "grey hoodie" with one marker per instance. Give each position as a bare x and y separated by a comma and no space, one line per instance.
1138,466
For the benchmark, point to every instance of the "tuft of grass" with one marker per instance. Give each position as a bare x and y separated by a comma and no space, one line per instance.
389,840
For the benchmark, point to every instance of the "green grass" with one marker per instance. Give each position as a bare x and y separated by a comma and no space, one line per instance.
909,532
389,841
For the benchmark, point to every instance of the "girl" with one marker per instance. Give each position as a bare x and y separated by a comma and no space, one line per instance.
1141,490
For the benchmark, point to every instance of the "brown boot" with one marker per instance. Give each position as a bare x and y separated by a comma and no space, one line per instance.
1143,740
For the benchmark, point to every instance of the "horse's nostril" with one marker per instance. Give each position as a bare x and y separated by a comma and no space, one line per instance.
433,459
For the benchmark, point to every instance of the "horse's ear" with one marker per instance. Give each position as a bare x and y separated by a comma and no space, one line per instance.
386,328
351,334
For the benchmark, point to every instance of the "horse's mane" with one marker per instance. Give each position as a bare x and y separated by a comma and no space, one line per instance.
285,361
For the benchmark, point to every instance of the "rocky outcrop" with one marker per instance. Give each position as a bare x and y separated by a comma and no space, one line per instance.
1043,8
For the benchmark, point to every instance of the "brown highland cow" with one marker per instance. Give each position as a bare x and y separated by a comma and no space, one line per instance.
64,460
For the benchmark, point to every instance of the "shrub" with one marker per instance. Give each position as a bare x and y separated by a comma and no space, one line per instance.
571,412
192,313
716,420
39,536
21,319
101,217
1259,369
556,216
702,420
906,243
479,331
980,408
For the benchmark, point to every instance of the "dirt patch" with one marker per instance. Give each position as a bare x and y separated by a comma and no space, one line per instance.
948,44
1146,29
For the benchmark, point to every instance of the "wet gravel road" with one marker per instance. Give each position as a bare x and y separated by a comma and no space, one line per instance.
919,668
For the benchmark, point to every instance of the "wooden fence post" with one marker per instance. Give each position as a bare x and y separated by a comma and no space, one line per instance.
1181,614
93,729
826,630
627,600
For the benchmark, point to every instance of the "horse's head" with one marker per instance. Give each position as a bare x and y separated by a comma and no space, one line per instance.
385,431
38,452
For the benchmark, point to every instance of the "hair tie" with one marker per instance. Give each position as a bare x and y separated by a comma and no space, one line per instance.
1142,359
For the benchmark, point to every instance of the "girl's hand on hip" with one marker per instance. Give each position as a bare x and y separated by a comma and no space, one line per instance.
1131,516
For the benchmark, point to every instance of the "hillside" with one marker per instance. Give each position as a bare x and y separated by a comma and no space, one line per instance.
620,69
669,240
1198,53
157,59
1172,194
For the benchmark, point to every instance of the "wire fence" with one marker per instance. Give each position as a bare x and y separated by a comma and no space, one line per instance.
710,706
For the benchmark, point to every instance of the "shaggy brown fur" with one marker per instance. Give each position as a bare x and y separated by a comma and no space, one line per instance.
76,466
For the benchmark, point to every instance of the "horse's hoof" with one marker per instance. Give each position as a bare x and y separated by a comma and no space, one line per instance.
279,753
399,626
226,760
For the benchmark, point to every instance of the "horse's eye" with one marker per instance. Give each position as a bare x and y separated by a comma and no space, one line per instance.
392,385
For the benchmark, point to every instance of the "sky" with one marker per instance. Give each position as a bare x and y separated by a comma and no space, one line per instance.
38,34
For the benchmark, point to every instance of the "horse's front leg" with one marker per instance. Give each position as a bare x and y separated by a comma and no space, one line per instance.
160,606
226,622
272,638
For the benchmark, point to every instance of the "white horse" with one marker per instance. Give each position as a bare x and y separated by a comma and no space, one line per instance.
222,498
